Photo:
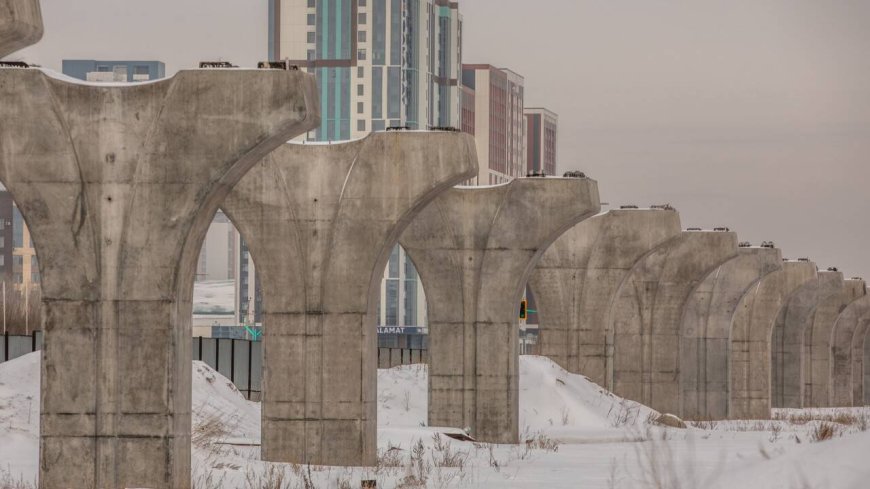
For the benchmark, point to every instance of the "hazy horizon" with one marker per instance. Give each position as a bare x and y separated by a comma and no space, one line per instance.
756,118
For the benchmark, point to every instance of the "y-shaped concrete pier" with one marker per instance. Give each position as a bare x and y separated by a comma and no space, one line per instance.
648,310
858,340
20,25
817,343
751,331
474,249
788,335
841,351
578,276
320,221
118,186
706,330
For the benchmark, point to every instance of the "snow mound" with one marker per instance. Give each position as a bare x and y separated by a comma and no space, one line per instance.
19,414
217,401
567,407
831,464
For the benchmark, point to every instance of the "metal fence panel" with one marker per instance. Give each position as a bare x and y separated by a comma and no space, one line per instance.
209,352
256,370
225,357
242,365
19,346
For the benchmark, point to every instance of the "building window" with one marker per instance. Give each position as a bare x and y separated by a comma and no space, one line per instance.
361,36
360,109
360,90
361,125
312,3
312,19
360,72
362,3
312,37
361,18
141,70
311,54
361,54
103,69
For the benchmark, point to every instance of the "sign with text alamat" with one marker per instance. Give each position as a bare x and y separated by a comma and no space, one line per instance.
400,330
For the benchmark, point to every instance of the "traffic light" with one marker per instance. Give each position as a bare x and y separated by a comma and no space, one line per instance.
523,311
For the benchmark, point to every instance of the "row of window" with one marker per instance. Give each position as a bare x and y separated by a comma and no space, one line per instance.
361,19
313,3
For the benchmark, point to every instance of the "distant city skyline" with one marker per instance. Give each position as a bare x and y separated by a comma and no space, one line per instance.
757,118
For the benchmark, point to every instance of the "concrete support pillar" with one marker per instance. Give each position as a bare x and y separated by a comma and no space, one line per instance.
118,186
751,331
788,335
475,249
858,362
20,25
817,343
648,310
841,350
321,221
706,330
578,276
867,368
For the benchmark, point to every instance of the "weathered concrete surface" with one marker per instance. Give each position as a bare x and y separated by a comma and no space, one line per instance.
867,367
751,331
648,310
817,343
20,25
118,186
321,221
706,330
577,278
788,336
475,249
841,350
858,362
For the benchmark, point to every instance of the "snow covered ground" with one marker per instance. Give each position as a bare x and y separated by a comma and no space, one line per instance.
214,297
579,436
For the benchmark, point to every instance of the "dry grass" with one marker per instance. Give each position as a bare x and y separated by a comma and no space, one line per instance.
8,481
822,432
23,317
842,417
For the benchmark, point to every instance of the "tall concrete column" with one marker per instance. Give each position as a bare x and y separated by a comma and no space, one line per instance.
578,276
648,310
788,336
475,248
867,367
321,221
841,350
20,25
817,343
706,330
858,362
118,186
751,331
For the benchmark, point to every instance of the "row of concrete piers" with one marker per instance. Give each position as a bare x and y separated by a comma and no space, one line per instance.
118,186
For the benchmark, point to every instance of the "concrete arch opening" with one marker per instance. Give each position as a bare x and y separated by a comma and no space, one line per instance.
20,278
403,336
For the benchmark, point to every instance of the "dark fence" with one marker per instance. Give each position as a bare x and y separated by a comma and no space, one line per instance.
393,357
241,361
15,346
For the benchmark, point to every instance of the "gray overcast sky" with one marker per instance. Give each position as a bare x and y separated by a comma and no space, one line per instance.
751,114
